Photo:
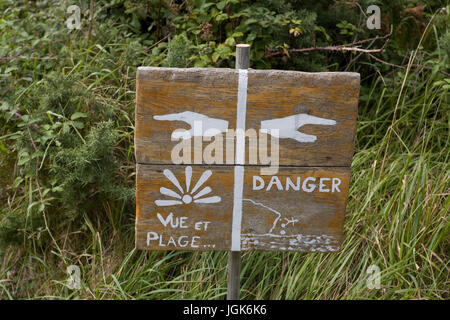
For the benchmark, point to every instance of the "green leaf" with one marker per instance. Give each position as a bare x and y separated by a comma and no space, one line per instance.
77,115
230,41
251,37
78,125
215,56
17,182
221,5
221,17
57,189
55,114
205,58
3,148
23,160
250,21
155,51
37,154
66,127
323,31
5,105
8,70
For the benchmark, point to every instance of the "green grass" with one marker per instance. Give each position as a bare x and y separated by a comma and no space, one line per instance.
397,210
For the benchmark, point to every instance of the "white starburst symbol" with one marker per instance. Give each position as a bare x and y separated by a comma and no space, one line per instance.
186,197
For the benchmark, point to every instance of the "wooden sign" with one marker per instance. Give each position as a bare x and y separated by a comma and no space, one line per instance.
243,159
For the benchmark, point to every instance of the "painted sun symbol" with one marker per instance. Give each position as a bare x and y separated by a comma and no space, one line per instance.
186,197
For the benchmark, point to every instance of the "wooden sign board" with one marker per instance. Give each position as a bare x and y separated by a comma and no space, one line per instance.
201,188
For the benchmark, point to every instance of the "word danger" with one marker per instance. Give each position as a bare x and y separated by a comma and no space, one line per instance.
307,184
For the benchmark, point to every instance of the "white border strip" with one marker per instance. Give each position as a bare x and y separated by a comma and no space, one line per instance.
239,161
241,113
237,208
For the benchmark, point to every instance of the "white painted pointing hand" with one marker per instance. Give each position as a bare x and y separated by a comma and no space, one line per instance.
201,125
288,126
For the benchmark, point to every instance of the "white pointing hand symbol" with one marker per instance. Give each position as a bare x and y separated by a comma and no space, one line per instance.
287,127
201,125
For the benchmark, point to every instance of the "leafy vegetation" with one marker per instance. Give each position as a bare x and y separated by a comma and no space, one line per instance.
67,157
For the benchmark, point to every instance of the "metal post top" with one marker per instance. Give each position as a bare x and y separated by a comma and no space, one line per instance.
242,56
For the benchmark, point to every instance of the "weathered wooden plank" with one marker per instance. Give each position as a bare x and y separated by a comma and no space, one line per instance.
276,94
298,209
277,216
275,99
215,216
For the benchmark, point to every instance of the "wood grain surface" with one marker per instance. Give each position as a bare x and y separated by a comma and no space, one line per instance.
271,95
276,216
189,205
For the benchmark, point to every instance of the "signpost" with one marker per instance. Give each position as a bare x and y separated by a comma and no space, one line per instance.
243,159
